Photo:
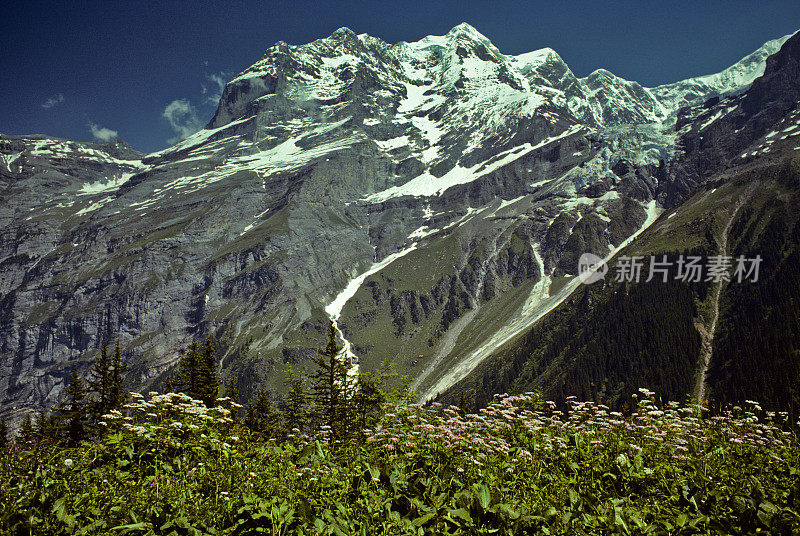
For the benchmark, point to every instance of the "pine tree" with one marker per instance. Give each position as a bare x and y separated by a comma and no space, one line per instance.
333,388
367,402
232,392
26,435
46,428
99,384
188,380
3,434
106,387
296,402
199,377
74,411
169,384
118,394
262,416
373,392
208,388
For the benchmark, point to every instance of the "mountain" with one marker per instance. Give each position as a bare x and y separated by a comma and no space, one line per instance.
724,343
431,197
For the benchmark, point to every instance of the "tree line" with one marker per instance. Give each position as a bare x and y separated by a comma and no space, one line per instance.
601,344
332,401
77,418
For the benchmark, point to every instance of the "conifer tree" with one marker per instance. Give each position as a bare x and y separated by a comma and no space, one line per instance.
46,427
208,388
118,394
262,416
188,380
74,410
296,402
99,384
26,434
199,377
232,392
333,388
368,400
40,425
106,387
3,434
373,392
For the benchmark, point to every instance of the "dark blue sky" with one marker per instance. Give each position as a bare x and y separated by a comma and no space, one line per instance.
81,70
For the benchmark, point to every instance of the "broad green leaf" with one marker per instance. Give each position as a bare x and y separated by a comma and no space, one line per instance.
421,520
484,496
460,513
573,498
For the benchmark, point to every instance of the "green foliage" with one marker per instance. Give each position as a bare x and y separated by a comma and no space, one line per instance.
373,394
106,384
26,434
333,389
209,375
261,416
232,393
99,381
176,467
188,380
199,375
47,427
74,411
598,344
3,434
296,403
118,395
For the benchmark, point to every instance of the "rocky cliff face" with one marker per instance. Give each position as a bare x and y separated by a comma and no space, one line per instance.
481,176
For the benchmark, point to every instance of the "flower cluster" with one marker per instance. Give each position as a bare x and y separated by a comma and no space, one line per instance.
671,429
172,414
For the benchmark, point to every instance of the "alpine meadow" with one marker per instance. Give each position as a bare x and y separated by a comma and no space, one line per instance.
421,288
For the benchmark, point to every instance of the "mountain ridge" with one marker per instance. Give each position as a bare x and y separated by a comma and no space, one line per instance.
738,163
304,180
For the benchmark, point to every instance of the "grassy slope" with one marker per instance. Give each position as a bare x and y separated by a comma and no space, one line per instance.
570,352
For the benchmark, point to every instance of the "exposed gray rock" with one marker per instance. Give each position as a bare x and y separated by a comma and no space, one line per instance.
321,160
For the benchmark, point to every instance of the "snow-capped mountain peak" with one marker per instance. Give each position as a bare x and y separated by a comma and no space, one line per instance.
730,81
325,161
413,101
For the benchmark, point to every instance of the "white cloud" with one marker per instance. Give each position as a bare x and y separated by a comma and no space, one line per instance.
182,117
52,101
182,114
219,80
102,133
